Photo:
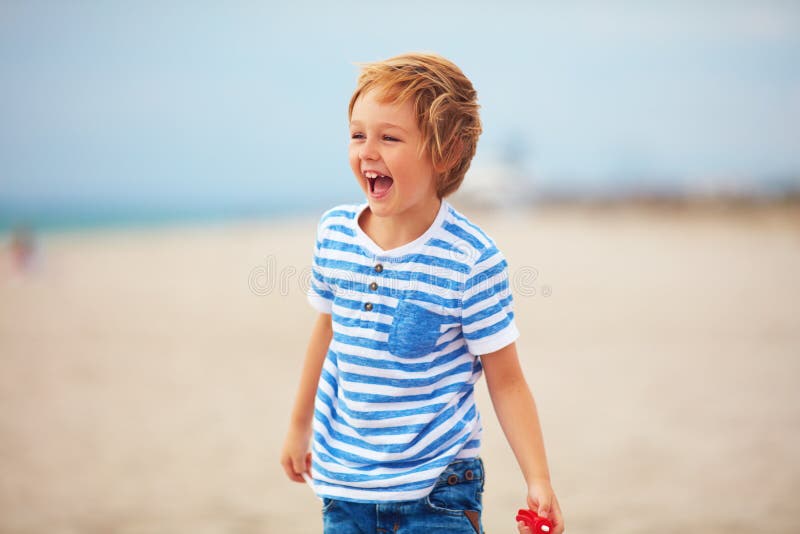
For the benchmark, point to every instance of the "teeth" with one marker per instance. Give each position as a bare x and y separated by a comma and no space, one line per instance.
370,174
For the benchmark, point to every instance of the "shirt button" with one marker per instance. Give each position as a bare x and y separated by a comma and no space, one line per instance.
368,306
379,268
373,286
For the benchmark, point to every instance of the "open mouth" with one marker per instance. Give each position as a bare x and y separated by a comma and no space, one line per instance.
378,183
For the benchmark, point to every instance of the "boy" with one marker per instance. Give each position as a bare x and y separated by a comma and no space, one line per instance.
414,306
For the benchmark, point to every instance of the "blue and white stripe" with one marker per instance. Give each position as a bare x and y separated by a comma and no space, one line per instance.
395,403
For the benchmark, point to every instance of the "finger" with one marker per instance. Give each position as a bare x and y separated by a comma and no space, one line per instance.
555,509
544,506
290,472
559,517
299,465
522,528
308,462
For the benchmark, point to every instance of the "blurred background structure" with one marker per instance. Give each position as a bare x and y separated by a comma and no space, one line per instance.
162,169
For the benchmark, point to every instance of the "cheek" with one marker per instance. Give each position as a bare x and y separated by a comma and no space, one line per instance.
352,155
355,167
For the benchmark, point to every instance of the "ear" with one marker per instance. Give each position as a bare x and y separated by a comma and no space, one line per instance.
454,156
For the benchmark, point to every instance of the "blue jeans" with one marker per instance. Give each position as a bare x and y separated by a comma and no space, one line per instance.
454,506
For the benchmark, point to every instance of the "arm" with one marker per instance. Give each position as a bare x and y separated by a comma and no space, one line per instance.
516,411
295,457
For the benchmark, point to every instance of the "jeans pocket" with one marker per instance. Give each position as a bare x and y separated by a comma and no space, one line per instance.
327,504
414,330
455,499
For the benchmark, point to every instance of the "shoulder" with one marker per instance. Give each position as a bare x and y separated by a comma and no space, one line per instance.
342,215
341,212
470,239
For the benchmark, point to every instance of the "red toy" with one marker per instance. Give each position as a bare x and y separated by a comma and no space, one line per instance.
534,522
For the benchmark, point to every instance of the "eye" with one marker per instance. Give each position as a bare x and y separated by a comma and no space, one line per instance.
356,136
390,138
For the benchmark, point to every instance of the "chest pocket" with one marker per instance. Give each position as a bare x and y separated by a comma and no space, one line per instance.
414,330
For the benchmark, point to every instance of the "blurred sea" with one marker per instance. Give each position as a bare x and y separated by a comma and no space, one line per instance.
56,218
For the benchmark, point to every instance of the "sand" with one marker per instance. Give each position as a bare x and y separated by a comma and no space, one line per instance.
146,375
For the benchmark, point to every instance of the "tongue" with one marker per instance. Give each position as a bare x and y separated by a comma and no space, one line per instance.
382,184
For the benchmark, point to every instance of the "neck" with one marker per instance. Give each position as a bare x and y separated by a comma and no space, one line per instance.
394,231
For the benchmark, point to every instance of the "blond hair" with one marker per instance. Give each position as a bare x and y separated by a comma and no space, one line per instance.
445,104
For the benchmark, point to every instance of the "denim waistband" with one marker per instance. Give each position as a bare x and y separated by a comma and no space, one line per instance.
468,470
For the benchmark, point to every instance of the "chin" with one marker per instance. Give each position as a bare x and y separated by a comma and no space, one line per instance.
381,210
377,208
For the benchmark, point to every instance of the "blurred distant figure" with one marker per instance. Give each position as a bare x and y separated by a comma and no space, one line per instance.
23,250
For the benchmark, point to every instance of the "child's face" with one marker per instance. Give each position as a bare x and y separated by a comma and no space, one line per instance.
383,139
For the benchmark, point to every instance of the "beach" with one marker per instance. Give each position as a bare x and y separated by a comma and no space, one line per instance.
146,375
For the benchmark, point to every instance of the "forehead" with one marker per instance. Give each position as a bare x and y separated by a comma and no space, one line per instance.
374,107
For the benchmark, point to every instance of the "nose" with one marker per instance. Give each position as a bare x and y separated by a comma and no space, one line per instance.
368,150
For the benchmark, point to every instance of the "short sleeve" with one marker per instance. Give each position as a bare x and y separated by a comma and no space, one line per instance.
487,315
319,294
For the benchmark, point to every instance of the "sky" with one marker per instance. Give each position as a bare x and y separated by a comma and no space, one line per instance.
242,106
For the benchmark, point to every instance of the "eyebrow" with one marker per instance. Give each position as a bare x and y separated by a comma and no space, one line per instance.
384,124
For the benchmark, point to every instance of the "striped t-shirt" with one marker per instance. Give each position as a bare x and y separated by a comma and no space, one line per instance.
395,403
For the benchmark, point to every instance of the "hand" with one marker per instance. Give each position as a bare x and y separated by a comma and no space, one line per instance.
543,501
295,457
